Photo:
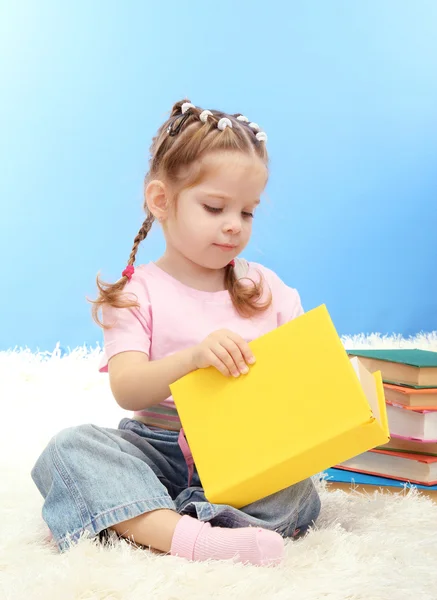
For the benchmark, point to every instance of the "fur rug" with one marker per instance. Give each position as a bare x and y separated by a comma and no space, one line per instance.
379,547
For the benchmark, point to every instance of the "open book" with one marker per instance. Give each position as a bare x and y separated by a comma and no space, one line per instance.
303,407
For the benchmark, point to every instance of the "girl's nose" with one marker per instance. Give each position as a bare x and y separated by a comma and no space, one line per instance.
232,225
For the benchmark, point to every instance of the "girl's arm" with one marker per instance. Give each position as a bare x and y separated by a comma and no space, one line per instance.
138,383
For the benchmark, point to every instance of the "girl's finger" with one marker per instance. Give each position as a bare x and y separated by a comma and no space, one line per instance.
218,364
236,355
222,353
243,346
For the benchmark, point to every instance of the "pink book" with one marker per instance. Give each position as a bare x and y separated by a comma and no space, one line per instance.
408,422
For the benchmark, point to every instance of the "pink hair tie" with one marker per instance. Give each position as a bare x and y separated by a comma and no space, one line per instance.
232,263
128,272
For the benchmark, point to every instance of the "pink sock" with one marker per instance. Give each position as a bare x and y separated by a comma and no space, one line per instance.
199,541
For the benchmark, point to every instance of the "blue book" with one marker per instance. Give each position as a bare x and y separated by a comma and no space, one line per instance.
343,476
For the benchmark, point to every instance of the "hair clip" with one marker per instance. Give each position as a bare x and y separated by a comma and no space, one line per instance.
255,126
172,130
204,115
243,118
261,136
186,106
223,123
128,272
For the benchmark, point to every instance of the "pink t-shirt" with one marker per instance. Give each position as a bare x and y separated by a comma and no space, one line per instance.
173,316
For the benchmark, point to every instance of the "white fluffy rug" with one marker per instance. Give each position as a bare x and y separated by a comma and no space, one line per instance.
374,547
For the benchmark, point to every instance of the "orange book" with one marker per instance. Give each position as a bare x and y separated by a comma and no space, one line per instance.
422,398
421,409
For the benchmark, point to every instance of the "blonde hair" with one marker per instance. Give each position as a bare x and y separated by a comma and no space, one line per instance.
180,143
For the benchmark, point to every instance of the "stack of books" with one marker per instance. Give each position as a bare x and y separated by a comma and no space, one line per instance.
410,389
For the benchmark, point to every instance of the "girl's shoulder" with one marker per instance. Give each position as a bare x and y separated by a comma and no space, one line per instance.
257,270
286,301
282,293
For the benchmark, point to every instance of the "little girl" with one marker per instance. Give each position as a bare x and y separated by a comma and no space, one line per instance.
197,306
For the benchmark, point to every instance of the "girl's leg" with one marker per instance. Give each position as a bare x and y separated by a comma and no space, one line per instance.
289,512
93,479
154,529
167,531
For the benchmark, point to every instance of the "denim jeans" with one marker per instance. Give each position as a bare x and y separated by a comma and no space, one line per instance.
93,477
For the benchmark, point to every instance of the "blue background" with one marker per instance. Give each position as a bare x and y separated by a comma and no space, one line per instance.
347,92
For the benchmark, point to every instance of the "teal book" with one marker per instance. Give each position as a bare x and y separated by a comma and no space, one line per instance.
409,367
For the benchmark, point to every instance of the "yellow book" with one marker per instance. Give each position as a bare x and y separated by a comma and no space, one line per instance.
303,407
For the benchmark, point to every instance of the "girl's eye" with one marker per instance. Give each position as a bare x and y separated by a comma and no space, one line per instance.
212,209
216,211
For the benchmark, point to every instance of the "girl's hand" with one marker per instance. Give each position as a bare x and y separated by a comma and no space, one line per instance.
226,351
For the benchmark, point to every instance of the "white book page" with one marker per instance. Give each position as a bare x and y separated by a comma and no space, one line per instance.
368,384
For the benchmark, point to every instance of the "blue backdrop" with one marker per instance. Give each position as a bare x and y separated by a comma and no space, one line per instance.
347,92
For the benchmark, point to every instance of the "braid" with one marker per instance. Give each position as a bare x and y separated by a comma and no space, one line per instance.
111,293
141,235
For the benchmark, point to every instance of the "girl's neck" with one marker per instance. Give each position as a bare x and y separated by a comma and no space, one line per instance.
190,273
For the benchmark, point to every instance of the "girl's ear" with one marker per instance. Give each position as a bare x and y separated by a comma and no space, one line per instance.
157,199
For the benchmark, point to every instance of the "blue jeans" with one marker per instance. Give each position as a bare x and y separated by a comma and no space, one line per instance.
93,477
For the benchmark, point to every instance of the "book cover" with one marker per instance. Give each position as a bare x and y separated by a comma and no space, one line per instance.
411,367
354,477
406,356
409,386
412,397
419,409
410,456
301,409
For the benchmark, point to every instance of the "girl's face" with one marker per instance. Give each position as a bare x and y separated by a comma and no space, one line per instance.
212,221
